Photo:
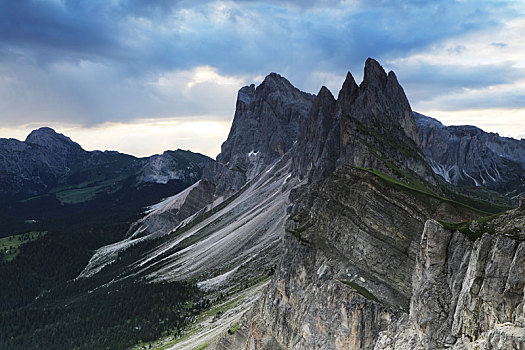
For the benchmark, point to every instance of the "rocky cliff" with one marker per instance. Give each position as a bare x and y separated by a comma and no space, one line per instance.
357,267
467,288
346,265
468,156
335,198
268,122
370,125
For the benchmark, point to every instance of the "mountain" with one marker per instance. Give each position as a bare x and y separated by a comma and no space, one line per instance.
322,225
267,123
469,157
47,160
48,176
60,202
370,126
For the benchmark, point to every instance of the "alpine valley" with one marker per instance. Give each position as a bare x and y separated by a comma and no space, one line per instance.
326,222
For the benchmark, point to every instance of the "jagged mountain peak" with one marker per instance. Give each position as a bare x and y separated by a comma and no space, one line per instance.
324,92
274,83
268,120
348,93
375,75
373,116
245,95
48,137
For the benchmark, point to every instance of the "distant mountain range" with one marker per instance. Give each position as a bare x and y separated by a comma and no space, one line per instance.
468,156
50,162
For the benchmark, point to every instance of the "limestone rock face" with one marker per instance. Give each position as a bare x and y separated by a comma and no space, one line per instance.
365,265
370,125
468,156
466,294
267,122
346,266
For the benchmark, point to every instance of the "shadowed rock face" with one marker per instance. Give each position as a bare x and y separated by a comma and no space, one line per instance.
35,165
466,294
350,231
267,122
370,125
468,156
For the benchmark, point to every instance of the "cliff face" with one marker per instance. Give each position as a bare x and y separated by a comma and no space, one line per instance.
267,123
363,263
466,294
346,265
468,156
370,125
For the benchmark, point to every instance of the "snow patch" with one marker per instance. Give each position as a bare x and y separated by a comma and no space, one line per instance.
442,170
473,179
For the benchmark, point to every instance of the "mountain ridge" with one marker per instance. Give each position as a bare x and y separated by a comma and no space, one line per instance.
468,156
312,228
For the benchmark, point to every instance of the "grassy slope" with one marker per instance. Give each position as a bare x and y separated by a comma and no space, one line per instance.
10,246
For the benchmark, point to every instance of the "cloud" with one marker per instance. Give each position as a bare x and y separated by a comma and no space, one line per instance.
90,62
235,37
92,93
480,75
501,44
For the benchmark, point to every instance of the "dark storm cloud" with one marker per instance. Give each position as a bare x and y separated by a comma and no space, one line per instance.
97,58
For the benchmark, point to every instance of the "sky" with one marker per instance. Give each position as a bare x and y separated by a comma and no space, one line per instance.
144,76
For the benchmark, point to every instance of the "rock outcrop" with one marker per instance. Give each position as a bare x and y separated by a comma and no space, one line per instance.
370,125
267,123
468,156
363,256
346,265
467,294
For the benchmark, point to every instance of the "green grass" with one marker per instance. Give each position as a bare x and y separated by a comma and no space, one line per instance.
10,246
417,188
223,307
78,195
485,225
297,234
234,328
361,290
203,346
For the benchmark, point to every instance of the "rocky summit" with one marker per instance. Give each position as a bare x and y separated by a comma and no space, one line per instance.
328,223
